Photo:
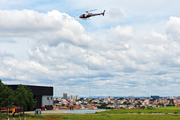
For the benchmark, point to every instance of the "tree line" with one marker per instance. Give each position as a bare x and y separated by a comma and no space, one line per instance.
21,97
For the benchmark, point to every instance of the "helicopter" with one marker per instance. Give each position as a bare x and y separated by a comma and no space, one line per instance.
87,14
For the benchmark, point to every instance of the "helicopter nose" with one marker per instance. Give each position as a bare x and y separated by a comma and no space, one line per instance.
81,16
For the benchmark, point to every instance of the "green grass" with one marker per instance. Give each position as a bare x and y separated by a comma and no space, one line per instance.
116,117
102,117
4,116
166,110
116,114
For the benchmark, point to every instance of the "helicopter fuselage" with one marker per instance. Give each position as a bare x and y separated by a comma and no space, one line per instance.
87,15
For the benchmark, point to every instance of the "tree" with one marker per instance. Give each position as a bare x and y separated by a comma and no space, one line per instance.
32,102
121,98
56,101
143,107
152,99
161,104
1,93
24,97
81,99
139,103
103,106
95,102
7,97
125,103
137,98
171,102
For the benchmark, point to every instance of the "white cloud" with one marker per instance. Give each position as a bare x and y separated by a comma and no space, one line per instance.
172,28
120,62
121,34
51,28
5,54
26,21
116,13
8,41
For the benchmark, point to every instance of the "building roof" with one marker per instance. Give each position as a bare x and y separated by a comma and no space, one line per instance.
37,90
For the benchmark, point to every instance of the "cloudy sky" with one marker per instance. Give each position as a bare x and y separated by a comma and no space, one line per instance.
132,50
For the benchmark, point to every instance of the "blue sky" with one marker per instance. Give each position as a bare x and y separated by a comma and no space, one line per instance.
132,50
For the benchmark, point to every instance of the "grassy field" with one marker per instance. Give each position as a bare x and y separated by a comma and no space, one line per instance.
118,117
101,117
165,110
118,114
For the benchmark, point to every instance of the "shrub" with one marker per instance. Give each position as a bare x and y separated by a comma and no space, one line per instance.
2,116
149,108
175,112
143,107
65,118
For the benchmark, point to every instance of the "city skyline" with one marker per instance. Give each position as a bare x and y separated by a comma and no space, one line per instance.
132,50
76,97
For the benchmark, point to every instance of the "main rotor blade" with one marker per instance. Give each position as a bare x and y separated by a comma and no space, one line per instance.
91,10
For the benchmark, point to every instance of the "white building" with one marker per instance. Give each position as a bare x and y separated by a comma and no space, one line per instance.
77,97
71,97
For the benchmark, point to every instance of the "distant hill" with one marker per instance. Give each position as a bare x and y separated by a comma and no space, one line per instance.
105,97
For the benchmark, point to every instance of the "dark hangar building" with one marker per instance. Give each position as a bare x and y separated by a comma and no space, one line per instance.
42,94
